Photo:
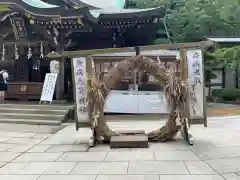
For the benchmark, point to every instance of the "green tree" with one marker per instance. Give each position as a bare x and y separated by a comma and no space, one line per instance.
228,57
192,20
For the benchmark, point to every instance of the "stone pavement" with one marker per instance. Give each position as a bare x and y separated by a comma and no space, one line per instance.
65,156
219,109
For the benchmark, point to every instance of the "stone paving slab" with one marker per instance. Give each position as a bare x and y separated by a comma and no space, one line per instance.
100,168
83,156
20,148
127,177
48,168
68,148
67,177
3,139
5,147
175,155
8,156
24,128
39,148
158,167
199,167
19,177
106,148
16,134
227,165
231,176
2,163
179,144
191,177
12,168
29,141
130,156
37,157
42,136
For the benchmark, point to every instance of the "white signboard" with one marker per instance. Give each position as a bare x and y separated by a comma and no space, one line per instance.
48,87
80,77
195,77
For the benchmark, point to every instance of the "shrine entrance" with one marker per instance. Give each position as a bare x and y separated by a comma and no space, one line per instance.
26,66
191,59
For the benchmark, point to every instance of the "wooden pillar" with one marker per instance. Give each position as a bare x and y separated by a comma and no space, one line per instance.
223,77
184,73
135,74
61,79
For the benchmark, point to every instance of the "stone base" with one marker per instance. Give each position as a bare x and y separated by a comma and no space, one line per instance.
129,141
131,132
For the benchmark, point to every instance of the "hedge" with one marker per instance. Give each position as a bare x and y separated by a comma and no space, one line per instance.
227,94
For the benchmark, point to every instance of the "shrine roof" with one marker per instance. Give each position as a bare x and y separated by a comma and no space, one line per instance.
39,4
224,39
101,4
40,9
116,9
97,12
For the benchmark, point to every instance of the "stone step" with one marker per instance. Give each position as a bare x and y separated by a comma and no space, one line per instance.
130,132
32,116
129,141
38,106
31,122
32,111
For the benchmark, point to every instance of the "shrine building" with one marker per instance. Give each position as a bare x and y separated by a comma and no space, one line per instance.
31,29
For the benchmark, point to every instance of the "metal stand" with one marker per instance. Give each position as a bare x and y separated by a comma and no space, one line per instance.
185,132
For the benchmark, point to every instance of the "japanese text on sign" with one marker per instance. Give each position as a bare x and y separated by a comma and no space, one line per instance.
195,74
49,87
79,67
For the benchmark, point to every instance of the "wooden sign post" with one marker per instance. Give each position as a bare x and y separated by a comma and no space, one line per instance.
79,75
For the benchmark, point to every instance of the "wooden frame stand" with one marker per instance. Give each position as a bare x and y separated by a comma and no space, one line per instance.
186,63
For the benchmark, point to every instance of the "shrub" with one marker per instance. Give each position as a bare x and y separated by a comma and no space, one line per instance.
227,94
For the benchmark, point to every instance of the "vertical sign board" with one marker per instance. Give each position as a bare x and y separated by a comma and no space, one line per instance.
196,83
48,87
80,89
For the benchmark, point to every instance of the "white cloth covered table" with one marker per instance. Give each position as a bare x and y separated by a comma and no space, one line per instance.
136,102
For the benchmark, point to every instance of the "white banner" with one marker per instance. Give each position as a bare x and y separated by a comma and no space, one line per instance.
49,87
196,82
80,79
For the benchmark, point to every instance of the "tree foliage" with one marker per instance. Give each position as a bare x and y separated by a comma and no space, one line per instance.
229,57
192,20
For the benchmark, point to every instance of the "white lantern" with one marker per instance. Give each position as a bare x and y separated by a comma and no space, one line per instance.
54,66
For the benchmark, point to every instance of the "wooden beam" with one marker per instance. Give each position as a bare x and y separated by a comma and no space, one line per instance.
201,44
100,59
24,43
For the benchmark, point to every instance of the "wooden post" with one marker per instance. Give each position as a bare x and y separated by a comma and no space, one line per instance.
184,72
135,72
184,75
61,78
